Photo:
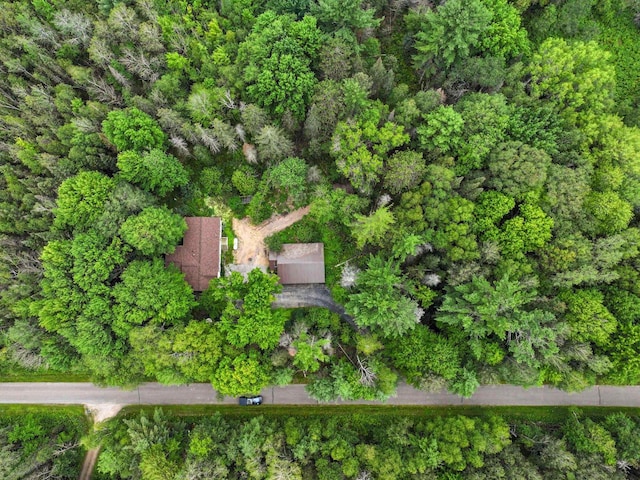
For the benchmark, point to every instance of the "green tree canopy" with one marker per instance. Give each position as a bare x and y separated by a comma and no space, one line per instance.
150,293
502,312
449,33
577,77
82,199
154,231
380,303
153,170
244,309
277,58
372,228
132,129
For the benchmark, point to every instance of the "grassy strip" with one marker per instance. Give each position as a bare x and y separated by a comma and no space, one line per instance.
43,377
544,414
20,409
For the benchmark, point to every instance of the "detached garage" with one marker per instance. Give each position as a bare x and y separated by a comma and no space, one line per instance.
298,263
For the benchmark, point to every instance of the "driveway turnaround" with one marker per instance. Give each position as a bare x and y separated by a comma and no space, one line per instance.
156,394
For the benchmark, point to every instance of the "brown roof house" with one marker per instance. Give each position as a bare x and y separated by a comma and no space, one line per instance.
299,263
198,257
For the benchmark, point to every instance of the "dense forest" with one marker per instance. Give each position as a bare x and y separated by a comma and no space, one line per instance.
373,446
37,445
472,168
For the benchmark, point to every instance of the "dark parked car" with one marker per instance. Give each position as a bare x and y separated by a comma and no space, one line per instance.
256,400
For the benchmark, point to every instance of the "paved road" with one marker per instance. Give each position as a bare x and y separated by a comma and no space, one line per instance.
155,394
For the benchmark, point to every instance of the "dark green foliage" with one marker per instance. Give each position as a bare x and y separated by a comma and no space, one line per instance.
390,445
379,304
154,170
277,58
42,443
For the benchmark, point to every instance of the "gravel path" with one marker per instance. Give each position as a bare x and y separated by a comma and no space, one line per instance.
89,463
297,296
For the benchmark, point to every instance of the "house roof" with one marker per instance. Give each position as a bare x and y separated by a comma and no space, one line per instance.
199,255
300,263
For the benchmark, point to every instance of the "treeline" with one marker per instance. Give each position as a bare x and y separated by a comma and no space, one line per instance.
39,445
368,446
472,169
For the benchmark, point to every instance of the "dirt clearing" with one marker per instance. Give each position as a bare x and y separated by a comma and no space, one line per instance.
252,251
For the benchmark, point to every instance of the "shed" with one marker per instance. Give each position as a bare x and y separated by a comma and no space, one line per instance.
299,263
198,257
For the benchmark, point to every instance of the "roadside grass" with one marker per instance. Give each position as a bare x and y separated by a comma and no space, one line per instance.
540,414
43,377
22,409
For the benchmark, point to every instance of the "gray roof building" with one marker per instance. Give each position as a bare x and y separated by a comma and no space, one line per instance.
299,263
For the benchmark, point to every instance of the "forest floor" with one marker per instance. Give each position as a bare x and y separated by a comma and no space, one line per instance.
252,251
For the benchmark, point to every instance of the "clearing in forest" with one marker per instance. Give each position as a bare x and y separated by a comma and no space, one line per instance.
252,251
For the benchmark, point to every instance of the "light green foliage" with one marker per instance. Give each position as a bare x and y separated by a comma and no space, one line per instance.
154,231
151,345
450,32
589,319
244,180
309,353
150,293
334,204
360,146
587,436
379,303
611,214
199,349
577,77
501,312
44,439
404,171
81,199
527,232
346,381
462,440
623,429
290,177
240,375
465,383
132,129
441,129
422,352
517,168
372,228
490,208
246,316
504,37
277,56
155,171
336,14
95,258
